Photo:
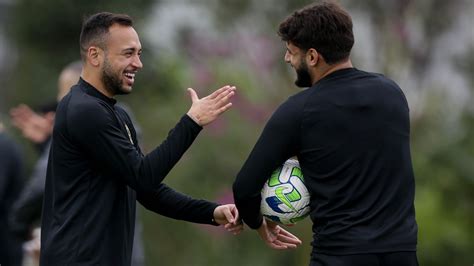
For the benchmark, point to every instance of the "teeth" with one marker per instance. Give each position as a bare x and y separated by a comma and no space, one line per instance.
130,75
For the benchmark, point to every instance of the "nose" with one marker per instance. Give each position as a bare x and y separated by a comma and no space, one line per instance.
287,57
137,62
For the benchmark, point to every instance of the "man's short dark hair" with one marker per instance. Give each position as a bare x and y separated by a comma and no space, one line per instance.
96,27
325,26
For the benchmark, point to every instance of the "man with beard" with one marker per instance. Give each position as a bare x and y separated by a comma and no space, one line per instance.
37,127
350,133
96,170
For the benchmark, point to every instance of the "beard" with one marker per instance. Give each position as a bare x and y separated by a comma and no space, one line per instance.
112,80
303,78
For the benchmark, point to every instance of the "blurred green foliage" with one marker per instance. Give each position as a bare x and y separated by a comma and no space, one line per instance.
45,36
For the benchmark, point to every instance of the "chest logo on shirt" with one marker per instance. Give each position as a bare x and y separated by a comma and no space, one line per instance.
129,134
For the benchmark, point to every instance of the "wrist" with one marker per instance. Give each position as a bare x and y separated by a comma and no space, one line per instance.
214,216
194,118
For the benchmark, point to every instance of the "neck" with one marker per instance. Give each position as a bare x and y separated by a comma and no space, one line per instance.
328,69
93,78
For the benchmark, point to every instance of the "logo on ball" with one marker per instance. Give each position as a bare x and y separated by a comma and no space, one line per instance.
285,198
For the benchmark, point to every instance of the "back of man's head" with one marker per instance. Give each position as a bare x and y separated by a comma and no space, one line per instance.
68,78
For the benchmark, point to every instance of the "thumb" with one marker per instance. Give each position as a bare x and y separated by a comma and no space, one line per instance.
236,215
228,215
193,94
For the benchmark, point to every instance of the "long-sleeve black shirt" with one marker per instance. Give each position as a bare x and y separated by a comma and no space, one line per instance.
96,172
11,182
350,132
26,210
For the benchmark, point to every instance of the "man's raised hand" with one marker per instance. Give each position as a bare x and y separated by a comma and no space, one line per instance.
205,110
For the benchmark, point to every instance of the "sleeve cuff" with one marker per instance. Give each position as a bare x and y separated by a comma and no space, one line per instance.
213,222
187,119
255,224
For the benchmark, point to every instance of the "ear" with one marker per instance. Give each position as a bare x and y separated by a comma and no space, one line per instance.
94,55
312,57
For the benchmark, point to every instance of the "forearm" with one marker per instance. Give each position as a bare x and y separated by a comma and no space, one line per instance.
249,209
114,154
253,175
274,146
158,163
172,204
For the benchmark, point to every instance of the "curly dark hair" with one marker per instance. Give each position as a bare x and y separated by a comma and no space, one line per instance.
324,26
96,27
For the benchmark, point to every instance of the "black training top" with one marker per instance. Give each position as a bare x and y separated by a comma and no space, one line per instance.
350,132
96,171
11,182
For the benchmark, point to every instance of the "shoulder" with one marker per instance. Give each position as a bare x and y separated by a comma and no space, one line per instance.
298,98
291,109
124,111
85,111
296,102
381,78
390,88
390,85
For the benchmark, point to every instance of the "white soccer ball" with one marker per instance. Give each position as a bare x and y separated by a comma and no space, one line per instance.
285,198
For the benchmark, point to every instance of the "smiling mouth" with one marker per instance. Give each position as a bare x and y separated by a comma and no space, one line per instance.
130,77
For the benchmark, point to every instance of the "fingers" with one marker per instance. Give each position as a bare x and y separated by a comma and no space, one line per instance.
22,115
233,225
220,91
224,101
273,242
277,237
236,215
19,115
193,94
21,108
223,109
228,215
221,102
289,237
205,110
225,94
234,228
282,245
289,240
22,111
269,237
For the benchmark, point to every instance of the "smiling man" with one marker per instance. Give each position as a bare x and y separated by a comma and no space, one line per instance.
350,131
96,170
